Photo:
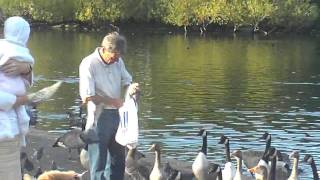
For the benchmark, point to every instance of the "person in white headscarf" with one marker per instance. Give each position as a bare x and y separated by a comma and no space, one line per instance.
15,78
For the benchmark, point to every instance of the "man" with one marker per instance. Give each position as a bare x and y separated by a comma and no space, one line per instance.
102,76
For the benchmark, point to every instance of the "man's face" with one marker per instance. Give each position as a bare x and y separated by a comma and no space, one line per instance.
110,57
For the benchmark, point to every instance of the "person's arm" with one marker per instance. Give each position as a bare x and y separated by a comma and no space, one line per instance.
86,82
8,101
13,68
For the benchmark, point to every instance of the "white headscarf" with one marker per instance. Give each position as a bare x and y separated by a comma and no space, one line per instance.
17,30
16,35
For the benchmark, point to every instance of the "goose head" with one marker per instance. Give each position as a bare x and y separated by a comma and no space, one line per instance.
237,154
223,140
267,137
309,160
295,155
154,147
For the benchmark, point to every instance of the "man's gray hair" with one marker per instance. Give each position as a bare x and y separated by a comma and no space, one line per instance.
114,42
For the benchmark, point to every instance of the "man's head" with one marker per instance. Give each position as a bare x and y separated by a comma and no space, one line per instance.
113,46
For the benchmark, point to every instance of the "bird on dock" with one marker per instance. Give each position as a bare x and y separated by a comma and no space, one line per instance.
70,140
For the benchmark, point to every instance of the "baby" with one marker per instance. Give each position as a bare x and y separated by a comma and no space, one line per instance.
13,46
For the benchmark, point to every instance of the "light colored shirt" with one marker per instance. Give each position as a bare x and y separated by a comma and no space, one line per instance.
97,77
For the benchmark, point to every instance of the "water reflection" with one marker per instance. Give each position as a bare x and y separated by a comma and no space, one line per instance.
240,87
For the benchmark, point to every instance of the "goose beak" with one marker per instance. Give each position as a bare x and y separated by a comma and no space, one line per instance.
253,170
152,147
81,174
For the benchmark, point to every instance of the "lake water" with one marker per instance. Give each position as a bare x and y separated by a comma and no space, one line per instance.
237,86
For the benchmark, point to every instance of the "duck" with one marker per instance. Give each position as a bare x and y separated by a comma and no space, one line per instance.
134,168
201,166
238,175
274,172
70,140
261,173
159,172
294,173
309,160
229,170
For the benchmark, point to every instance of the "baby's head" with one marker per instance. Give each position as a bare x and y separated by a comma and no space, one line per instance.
16,30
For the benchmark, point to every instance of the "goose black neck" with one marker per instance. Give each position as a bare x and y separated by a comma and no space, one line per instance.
220,175
204,145
272,174
227,150
314,170
268,143
265,157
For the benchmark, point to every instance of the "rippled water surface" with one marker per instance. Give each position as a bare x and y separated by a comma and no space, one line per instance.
236,86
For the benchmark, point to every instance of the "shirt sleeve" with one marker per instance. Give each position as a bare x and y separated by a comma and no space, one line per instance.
7,100
86,80
126,78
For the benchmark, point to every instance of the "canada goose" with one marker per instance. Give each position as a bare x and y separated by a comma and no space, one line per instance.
70,140
201,165
294,173
239,176
251,157
134,168
229,170
158,172
309,159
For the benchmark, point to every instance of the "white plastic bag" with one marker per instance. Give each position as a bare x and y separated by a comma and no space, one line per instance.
128,130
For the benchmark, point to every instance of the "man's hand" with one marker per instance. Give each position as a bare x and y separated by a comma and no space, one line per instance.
21,100
133,88
13,67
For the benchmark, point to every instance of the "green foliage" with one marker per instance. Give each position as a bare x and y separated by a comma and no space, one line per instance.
98,11
291,14
294,14
179,13
258,11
